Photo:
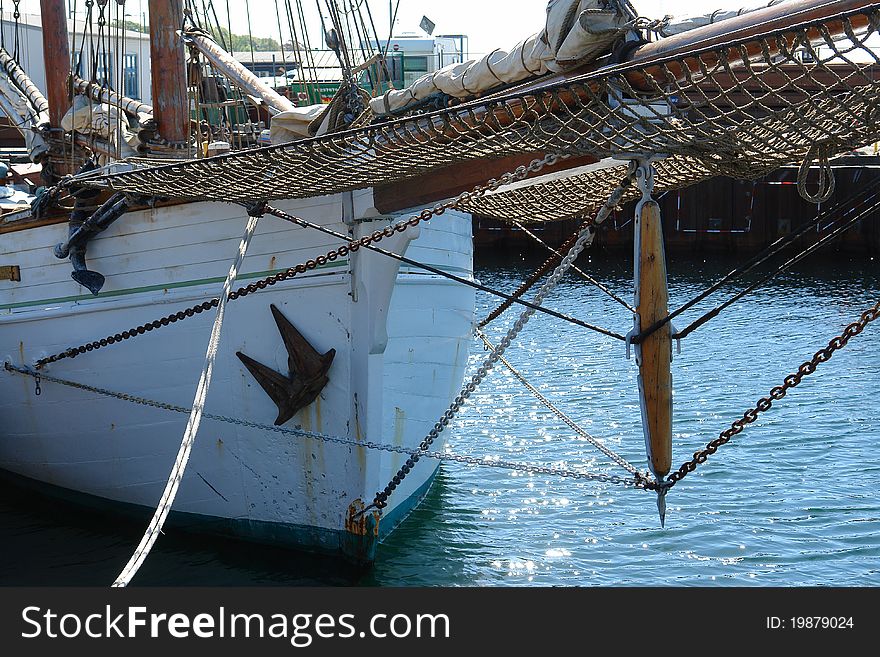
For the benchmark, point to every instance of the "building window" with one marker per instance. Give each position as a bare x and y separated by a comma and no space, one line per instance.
103,69
131,88
413,69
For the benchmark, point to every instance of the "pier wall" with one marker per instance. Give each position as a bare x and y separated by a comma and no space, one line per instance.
722,215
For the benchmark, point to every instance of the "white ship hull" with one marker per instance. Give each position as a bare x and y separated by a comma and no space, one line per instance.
401,338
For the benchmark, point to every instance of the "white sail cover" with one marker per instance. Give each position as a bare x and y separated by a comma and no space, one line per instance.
577,31
102,120
677,25
15,105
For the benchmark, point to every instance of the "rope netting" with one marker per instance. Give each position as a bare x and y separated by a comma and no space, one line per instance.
740,110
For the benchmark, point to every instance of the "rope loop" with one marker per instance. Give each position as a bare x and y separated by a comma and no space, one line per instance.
820,153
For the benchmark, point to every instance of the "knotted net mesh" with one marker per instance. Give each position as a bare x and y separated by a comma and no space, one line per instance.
739,109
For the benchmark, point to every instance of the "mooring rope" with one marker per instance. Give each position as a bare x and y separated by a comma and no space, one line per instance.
192,426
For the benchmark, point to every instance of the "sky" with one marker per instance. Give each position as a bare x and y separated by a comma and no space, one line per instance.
489,24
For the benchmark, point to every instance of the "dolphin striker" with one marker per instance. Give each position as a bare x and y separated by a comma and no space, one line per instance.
653,352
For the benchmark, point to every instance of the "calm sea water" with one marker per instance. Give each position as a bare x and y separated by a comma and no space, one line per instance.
790,502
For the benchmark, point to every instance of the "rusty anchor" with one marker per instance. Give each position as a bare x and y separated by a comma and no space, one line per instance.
307,376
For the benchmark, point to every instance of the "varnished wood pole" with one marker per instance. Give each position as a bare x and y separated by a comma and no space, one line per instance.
56,58
654,353
168,68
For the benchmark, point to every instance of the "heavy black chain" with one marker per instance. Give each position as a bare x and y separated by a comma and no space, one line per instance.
765,403
262,284
549,264
517,174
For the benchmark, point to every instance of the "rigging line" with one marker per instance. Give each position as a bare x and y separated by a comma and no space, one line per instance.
861,197
229,28
220,28
784,267
120,61
299,58
247,7
390,30
307,44
575,268
280,44
362,39
371,54
192,426
299,54
434,270
302,433
378,48
336,19
361,27
344,19
549,264
586,236
595,442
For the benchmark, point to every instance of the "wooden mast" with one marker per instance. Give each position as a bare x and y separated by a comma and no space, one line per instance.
168,70
56,61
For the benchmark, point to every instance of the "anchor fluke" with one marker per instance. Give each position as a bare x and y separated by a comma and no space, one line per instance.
91,280
307,375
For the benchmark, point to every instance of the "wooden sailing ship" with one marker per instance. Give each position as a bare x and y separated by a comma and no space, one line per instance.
356,352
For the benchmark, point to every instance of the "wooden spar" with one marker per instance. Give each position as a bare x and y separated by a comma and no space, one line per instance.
647,66
456,178
56,58
102,94
654,353
169,74
235,71
453,180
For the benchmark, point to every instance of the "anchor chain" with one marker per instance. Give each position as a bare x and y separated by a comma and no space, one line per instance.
520,173
595,442
765,403
585,237
350,442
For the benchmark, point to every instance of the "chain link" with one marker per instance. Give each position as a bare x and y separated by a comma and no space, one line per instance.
585,237
765,403
397,449
595,442
520,173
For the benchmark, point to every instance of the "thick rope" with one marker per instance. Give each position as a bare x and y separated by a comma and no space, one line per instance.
827,183
192,427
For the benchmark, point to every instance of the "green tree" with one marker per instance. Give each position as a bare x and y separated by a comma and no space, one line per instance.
239,42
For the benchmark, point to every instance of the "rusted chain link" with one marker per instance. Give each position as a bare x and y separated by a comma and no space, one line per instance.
764,404
531,281
520,173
